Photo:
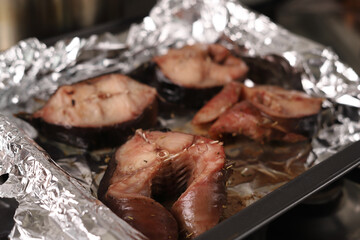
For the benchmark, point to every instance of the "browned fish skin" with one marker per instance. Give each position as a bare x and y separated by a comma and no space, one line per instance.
99,112
155,162
201,66
144,214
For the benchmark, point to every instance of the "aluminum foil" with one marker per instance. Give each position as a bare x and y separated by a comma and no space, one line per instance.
52,203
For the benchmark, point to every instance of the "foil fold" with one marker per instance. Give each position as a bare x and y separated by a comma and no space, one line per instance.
54,204
51,203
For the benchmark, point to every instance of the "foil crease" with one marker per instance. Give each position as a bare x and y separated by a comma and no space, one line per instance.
52,202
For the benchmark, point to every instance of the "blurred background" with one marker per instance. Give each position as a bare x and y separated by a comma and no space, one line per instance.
44,19
334,23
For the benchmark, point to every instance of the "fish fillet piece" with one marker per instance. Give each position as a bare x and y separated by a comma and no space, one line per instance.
201,66
103,101
245,119
221,102
185,169
282,103
262,113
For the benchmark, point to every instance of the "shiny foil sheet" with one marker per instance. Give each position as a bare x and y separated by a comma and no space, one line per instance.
53,203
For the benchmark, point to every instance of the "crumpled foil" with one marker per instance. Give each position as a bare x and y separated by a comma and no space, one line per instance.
53,203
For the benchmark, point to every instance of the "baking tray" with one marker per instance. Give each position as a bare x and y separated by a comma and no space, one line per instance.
285,197
272,205
264,210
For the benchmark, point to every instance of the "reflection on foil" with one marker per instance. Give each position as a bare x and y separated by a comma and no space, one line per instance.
52,203
78,168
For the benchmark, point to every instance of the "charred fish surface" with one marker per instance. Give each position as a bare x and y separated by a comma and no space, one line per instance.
98,112
198,70
183,172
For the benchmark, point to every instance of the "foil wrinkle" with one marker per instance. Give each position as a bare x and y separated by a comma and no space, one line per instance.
52,203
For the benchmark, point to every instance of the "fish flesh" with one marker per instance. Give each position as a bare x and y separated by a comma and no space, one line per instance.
245,119
175,178
279,102
201,66
262,113
221,102
192,75
97,112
